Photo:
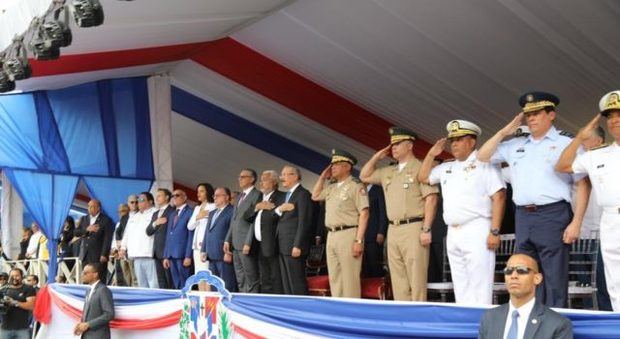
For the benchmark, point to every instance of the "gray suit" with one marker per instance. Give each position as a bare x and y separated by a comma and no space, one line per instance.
98,311
239,234
543,323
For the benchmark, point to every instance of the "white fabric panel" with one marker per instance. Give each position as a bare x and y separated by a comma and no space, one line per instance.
422,63
161,135
201,154
137,24
12,219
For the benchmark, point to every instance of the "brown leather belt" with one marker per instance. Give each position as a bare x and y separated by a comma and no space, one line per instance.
340,228
405,221
534,208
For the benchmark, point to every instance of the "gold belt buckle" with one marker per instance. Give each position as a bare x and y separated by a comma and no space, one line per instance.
396,222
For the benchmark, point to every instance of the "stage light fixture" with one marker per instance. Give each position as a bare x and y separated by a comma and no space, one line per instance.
87,13
41,47
6,85
57,31
15,64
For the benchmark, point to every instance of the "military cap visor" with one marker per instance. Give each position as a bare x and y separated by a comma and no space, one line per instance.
398,134
535,101
343,156
460,128
609,102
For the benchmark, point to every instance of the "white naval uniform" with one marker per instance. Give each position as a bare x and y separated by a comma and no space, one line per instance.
603,167
467,187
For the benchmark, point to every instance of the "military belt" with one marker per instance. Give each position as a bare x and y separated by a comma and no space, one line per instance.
340,228
405,221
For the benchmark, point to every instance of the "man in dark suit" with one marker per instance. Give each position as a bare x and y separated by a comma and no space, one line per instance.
98,306
178,248
157,229
220,262
96,232
264,233
372,261
240,237
293,231
523,316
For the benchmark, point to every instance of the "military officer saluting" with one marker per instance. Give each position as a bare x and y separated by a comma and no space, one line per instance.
411,207
346,219
544,221
473,203
603,167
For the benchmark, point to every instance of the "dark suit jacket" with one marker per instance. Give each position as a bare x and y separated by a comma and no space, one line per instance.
543,323
377,217
268,224
95,244
178,237
241,223
98,311
118,234
294,227
216,232
159,232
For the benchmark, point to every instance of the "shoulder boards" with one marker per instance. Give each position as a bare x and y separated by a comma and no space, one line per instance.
598,147
356,180
567,134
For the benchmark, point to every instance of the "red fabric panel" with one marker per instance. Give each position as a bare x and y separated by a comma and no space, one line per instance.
43,306
74,63
282,85
126,324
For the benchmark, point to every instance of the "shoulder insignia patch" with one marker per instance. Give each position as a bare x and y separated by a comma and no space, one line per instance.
363,190
567,134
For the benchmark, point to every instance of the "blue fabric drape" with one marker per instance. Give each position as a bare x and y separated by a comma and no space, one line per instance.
114,191
98,129
48,198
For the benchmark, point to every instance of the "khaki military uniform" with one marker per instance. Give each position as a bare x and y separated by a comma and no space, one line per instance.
404,199
343,204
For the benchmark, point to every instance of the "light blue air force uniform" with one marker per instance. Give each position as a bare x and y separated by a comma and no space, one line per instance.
533,176
539,229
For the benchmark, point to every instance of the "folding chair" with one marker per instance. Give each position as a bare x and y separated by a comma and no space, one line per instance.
502,254
582,268
446,286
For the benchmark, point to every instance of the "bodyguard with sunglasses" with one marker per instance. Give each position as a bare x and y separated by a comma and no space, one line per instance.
523,316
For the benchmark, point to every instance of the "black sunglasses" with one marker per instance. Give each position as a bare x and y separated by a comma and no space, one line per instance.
521,270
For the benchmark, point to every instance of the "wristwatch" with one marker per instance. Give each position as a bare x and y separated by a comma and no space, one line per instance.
358,241
494,231
425,229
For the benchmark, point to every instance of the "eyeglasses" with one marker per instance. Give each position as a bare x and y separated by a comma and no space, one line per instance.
87,272
133,202
176,195
141,200
521,270
244,176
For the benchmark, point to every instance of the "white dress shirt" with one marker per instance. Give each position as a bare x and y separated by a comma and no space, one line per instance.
93,219
257,221
524,315
92,289
135,240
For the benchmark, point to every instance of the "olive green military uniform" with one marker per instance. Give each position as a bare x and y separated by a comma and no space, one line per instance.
343,204
404,199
